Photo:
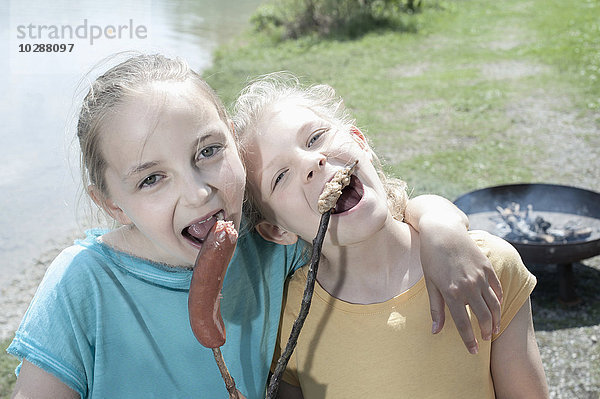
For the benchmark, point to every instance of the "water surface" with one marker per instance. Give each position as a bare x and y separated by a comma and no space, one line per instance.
41,94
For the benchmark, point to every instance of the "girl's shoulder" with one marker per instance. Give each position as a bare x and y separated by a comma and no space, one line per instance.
74,261
504,258
85,250
498,250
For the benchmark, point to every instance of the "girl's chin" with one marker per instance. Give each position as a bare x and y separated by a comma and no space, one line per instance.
366,215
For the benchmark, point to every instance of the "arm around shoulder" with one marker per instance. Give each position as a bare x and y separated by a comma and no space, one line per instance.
35,383
456,271
516,364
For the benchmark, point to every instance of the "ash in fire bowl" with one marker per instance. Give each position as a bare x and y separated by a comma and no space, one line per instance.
516,223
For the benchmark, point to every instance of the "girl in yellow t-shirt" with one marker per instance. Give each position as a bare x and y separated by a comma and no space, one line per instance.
367,333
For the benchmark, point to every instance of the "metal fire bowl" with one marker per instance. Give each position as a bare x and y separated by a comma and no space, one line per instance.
543,197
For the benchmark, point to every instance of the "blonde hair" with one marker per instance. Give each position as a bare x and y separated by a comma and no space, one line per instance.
256,99
110,89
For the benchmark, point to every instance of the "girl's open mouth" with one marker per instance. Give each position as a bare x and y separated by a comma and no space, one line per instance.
196,232
351,196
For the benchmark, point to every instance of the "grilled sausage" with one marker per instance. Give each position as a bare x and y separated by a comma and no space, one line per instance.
204,300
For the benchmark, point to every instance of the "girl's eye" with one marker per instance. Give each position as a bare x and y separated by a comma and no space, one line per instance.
279,177
315,137
150,181
210,151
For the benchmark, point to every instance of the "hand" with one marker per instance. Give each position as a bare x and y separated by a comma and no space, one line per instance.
458,273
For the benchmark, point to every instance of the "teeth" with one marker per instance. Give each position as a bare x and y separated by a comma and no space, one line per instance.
219,216
204,221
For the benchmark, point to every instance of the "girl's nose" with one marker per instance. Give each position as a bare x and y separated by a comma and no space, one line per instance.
315,165
196,192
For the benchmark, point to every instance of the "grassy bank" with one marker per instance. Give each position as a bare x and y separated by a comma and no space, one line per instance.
7,370
444,105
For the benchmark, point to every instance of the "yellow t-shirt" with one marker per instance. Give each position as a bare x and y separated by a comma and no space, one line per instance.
387,350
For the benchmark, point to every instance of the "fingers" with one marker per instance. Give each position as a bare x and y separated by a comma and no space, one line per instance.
483,300
493,303
437,308
488,310
457,308
485,305
484,317
494,283
463,325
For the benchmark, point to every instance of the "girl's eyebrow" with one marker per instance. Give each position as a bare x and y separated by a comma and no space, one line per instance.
147,165
203,138
307,127
140,168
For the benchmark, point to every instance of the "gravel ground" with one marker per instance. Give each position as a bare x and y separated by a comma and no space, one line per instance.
568,335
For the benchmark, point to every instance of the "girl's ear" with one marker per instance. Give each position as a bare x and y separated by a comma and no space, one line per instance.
359,137
108,205
276,234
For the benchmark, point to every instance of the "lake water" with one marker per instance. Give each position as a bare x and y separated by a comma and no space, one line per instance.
40,93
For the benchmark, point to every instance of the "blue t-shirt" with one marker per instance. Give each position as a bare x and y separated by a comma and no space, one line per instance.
111,325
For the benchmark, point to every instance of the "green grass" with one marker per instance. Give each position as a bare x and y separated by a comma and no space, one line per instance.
438,104
7,370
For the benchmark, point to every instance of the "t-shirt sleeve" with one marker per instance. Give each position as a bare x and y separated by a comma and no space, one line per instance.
516,281
53,334
292,300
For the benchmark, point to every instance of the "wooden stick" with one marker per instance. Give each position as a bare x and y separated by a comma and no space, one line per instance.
327,201
306,299
229,382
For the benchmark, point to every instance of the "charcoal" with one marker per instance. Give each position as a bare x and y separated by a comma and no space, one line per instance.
525,226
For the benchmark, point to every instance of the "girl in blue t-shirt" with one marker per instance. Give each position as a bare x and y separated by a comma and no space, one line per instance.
110,318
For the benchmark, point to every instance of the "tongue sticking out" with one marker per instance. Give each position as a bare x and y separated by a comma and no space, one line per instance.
199,230
351,196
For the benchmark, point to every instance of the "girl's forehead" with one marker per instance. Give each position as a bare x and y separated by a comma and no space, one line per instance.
156,100
163,107
292,118
288,112
182,92
289,105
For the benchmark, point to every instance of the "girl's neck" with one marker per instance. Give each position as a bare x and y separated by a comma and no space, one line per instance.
130,240
124,239
374,270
